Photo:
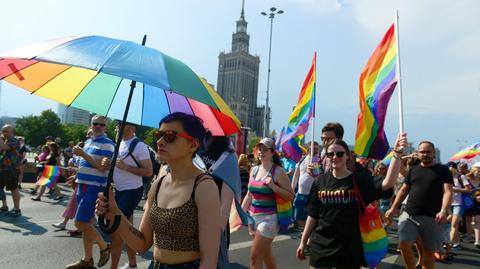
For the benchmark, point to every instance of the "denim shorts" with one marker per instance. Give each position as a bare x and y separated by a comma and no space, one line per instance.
266,225
457,210
128,200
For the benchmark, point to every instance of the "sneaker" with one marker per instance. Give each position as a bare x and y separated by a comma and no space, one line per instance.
81,264
15,212
75,233
59,225
36,199
127,266
456,247
4,209
104,256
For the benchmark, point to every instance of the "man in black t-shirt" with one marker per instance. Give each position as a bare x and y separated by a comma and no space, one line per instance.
429,186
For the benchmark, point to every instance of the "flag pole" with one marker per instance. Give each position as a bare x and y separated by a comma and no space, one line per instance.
314,107
399,76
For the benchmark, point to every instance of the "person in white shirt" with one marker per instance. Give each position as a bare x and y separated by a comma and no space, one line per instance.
133,163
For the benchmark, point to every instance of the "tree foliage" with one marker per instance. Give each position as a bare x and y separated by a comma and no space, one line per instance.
36,128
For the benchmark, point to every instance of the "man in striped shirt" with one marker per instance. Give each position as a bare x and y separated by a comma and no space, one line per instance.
92,179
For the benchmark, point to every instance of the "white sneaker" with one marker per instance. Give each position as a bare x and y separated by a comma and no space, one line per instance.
127,266
59,225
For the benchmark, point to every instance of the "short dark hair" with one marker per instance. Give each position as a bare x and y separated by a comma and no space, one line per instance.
335,127
192,125
427,142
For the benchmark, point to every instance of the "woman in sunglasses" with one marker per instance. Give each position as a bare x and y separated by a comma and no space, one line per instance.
182,213
332,222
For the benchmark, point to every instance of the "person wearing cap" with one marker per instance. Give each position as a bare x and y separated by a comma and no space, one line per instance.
267,180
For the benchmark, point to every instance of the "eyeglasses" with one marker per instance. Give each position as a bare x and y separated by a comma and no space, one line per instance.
339,154
170,136
326,138
98,124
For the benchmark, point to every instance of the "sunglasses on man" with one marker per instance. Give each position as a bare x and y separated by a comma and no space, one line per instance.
98,124
339,154
170,136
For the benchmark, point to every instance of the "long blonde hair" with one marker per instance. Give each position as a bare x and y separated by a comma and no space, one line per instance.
471,175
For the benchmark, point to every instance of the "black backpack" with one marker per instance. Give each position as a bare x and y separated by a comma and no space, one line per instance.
153,159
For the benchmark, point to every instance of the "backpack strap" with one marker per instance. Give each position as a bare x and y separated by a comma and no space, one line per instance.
131,148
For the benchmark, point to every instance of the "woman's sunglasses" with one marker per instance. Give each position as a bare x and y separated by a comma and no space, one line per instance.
339,154
170,136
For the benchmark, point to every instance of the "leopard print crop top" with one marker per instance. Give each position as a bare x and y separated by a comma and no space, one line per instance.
176,228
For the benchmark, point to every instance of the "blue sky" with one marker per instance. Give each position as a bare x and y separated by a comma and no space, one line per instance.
439,42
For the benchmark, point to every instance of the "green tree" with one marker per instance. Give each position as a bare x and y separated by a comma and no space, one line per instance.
36,128
73,132
253,143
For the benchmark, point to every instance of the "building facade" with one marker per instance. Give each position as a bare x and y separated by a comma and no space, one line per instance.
237,81
73,115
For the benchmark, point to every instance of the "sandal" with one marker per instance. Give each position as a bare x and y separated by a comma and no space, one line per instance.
4,209
36,199
104,256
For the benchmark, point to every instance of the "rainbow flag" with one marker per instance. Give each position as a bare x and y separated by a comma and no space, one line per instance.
388,158
49,176
300,118
467,153
376,86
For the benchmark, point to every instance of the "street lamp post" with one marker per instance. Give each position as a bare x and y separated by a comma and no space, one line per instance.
266,118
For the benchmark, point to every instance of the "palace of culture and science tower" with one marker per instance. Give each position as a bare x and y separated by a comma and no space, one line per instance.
238,79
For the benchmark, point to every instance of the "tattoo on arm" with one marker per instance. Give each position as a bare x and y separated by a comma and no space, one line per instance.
136,232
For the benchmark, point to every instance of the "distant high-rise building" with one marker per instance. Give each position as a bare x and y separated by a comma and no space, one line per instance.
73,115
238,78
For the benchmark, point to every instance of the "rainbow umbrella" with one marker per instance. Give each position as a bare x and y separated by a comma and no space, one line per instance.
467,153
93,73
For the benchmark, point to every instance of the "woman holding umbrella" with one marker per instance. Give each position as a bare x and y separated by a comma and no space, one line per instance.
182,213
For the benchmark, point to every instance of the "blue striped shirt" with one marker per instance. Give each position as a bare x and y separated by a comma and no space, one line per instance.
98,148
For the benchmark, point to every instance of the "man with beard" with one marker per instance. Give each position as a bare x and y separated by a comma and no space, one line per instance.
429,186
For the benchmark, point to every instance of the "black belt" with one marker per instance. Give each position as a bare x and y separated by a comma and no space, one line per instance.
188,265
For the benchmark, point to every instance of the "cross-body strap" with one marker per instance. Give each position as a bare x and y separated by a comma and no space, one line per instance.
131,148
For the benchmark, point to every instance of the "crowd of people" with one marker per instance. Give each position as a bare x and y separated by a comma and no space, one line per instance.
187,209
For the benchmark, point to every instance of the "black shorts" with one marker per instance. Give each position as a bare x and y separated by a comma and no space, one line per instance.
9,179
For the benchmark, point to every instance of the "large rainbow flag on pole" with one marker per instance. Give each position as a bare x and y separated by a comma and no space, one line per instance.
300,118
49,176
376,86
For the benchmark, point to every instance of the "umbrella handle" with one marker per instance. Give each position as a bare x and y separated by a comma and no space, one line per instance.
103,224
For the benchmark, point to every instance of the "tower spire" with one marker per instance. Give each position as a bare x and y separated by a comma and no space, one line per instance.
242,13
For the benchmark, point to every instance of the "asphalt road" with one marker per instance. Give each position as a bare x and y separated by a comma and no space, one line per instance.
30,241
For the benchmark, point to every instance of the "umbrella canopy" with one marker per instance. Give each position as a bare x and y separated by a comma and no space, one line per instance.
93,73
467,153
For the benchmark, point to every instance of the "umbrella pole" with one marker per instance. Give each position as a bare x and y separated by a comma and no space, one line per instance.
102,223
